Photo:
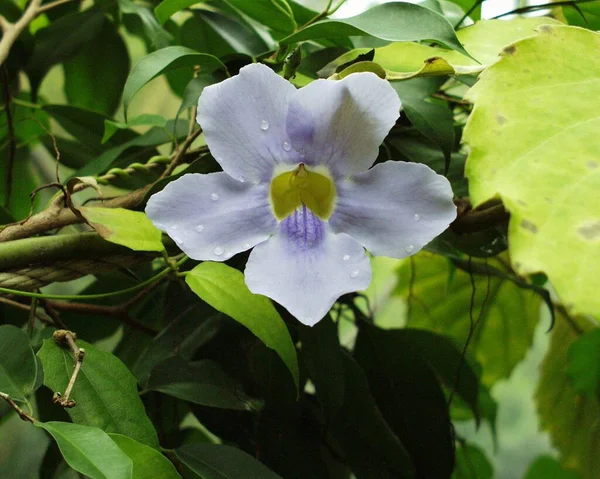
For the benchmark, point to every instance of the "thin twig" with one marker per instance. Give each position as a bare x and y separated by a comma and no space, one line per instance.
533,8
22,414
181,153
67,339
25,307
11,31
51,5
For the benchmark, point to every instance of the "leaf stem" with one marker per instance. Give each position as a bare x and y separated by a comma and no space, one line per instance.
22,414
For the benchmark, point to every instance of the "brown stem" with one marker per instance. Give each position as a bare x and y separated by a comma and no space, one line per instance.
15,304
22,414
12,140
485,216
51,5
181,153
67,338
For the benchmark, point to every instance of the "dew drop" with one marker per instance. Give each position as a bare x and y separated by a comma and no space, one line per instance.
417,217
218,251
174,227
354,274
179,241
200,228
346,257
264,125
286,146
409,248
214,197
247,245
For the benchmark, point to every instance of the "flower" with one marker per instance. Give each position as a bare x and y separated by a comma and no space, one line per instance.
296,186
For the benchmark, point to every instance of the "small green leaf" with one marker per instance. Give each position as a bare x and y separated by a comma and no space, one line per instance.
125,227
395,22
200,382
94,78
111,127
105,391
472,463
584,363
544,167
323,358
167,8
225,290
546,467
18,366
158,36
148,463
161,61
275,14
193,90
89,450
212,461
63,37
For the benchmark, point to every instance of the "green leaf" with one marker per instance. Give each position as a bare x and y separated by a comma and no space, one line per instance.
63,38
472,463
570,418
370,446
125,227
584,363
484,41
193,90
225,290
546,467
275,14
161,61
105,391
420,419
395,22
544,167
323,358
441,302
148,463
212,461
89,450
158,36
200,382
111,127
590,12
167,8
18,366
94,79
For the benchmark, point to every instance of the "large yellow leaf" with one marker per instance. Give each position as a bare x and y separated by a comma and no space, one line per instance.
534,141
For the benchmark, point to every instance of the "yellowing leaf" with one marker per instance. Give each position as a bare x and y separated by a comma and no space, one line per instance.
570,418
484,41
534,142
128,228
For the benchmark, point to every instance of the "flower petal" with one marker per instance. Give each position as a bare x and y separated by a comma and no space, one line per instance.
341,124
243,119
395,208
305,266
212,217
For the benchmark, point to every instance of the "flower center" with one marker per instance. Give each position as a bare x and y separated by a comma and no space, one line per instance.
293,189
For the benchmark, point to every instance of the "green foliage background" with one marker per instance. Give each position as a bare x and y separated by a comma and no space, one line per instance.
476,358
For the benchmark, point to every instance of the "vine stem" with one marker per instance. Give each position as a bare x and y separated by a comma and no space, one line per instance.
29,294
67,338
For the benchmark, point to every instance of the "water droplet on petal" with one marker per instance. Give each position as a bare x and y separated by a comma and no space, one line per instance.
417,217
354,274
286,146
200,228
247,245
264,125
346,257
218,251
179,241
214,197
174,227
409,248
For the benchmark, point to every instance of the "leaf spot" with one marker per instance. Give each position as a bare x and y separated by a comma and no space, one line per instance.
590,231
592,165
500,119
510,50
528,225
